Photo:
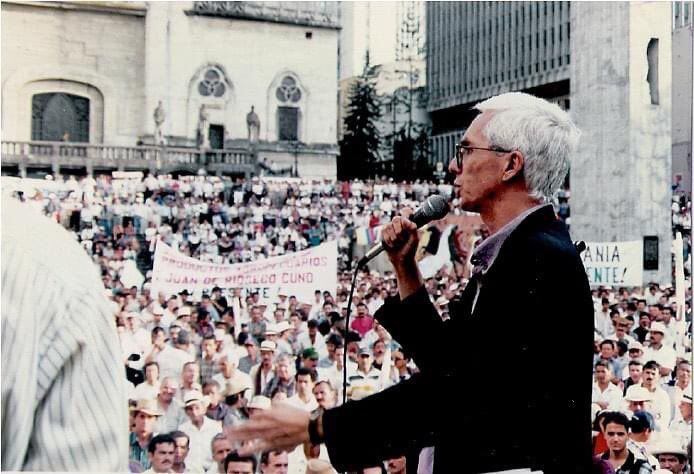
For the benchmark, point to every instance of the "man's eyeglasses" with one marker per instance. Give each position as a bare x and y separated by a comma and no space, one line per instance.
461,151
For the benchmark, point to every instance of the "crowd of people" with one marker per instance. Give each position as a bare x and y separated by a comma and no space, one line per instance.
195,366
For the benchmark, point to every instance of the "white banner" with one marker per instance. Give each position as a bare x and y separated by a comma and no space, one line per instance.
299,274
614,263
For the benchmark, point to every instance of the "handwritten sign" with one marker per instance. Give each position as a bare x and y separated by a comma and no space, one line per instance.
300,273
614,263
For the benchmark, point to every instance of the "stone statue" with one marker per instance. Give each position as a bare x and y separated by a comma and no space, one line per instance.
253,123
203,127
159,117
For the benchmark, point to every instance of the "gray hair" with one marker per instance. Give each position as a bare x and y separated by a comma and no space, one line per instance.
542,131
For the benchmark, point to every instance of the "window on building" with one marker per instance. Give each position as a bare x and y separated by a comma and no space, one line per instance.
652,77
211,84
288,118
288,93
59,117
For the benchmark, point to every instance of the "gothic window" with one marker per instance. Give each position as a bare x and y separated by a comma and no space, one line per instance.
288,91
288,95
59,117
211,84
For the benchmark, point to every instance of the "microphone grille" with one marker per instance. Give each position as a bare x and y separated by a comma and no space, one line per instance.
437,207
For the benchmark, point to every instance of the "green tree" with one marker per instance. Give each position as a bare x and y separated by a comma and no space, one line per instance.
361,138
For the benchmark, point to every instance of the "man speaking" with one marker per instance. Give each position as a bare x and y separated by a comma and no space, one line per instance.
496,370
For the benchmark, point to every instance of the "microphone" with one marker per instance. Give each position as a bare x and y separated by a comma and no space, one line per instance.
434,208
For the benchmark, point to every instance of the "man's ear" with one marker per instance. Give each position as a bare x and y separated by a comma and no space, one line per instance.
514,166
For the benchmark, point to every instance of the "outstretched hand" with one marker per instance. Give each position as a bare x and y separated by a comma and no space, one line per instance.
283,427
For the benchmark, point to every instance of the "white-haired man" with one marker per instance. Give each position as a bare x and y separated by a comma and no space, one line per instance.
228,365
511,161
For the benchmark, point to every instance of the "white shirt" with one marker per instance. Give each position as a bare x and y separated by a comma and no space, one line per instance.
612,395
665,356
63,389
200,453
660,407
171,361
146,391
308,406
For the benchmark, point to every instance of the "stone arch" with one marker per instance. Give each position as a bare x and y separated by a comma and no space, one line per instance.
18,89
273,104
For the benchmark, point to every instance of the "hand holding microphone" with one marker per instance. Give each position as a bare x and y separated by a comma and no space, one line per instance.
399,238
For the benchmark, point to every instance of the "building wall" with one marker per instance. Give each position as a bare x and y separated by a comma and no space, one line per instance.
480,49
93,52
682,70
620,175
180,46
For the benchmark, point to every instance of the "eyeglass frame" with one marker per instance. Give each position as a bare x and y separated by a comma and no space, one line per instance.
460,146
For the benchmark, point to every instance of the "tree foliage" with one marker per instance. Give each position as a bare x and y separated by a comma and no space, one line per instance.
361,138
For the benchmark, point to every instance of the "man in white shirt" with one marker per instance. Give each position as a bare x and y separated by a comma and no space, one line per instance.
170,359
665,356
200,429
148,389
660,402
312,339
161,454
228,365
304,398
605,393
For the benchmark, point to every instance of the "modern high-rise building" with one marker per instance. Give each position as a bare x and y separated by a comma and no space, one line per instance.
479,49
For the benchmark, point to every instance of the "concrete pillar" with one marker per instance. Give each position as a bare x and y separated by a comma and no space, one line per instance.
620,177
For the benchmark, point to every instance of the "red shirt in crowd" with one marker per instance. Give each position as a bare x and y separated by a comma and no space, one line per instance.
362,324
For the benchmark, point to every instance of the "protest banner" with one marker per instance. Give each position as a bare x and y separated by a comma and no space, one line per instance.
298,274
614,263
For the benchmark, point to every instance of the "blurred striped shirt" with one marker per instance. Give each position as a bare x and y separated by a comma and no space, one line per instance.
63,393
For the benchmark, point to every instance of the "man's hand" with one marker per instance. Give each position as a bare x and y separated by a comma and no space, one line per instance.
400,240
282,427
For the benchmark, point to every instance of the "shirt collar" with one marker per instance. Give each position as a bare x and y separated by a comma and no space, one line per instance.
485,255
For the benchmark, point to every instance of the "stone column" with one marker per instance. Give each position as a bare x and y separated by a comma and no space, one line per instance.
620,177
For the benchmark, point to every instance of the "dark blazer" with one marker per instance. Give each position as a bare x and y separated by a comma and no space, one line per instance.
499,387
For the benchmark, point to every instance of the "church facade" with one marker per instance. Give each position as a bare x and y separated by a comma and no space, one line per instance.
256,78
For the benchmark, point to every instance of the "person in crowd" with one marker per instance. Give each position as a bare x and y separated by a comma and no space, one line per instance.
216,409
252,357
622,460
682,428
657,351
606,394
170,406
229,372
641,430
236,464
672,457
170,359
161,455
274,462
221,447
181,449
235,399
262,373
303,397
148,389
660,402
209,364
199,428
283,378
146,413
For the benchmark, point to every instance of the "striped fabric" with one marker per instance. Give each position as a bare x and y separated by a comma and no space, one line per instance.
63,390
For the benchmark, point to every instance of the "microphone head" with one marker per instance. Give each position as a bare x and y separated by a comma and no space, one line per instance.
434,208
